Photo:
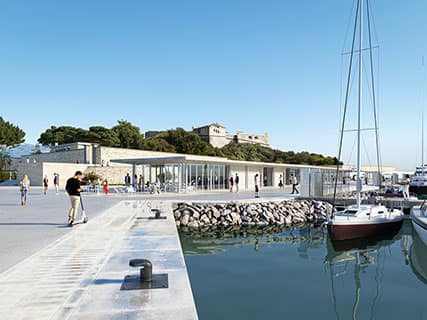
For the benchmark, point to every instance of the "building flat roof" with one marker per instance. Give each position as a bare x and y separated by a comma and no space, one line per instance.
170,159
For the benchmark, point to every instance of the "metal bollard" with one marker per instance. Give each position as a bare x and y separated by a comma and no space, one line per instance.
146,272
146,279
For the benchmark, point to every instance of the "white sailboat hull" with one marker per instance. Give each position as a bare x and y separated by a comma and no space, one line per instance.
366,221
419,222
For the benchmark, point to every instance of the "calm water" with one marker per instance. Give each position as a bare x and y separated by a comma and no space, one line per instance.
296,273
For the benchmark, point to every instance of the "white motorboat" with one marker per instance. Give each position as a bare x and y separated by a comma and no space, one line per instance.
419,221
418,184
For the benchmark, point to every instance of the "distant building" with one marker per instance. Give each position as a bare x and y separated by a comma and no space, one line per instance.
217,136
241,137
151,134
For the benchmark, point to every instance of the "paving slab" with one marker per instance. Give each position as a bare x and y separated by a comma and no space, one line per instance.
79,276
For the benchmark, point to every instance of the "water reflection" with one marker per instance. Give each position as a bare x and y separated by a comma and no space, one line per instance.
362,279
418,257
216,239
348,263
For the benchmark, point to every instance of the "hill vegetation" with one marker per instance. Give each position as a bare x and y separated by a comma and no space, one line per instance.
126,135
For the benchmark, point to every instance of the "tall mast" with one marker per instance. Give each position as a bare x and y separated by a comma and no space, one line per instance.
422,118
359,180
422,137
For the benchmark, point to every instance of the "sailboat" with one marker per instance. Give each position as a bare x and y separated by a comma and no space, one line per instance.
418,184
361,220
418,216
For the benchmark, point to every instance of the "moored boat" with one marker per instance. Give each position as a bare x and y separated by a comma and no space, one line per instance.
358,221
418,184
364,221
419,221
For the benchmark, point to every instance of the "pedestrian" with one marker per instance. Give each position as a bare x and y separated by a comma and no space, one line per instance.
231,183
135,182
105,186
127,180
73,188
24,186
236,181
56,182
294,182
140,183
405,187
281,182
45,184
256,183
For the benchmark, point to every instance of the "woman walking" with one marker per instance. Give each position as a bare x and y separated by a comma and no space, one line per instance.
24,186
256,183
45,184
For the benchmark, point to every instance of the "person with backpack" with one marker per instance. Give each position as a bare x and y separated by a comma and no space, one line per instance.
24,186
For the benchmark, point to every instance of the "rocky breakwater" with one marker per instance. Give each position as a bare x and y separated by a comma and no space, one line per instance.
259,213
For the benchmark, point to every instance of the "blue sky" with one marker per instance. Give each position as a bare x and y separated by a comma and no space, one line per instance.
259,66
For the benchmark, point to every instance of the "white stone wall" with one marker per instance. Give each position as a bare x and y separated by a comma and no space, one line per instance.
261,139
114,174
37,171
108,153
71,156
65,171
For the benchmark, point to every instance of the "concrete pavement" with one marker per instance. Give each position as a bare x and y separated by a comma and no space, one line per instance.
26,229
51,271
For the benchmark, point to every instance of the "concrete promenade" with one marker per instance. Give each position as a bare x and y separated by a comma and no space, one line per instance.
51,271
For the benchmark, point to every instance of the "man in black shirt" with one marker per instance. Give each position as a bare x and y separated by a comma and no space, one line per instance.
127,180
73,188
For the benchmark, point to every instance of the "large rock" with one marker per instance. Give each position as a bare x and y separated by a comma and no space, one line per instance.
185,219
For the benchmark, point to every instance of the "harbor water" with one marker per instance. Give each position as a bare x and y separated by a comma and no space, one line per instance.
297,272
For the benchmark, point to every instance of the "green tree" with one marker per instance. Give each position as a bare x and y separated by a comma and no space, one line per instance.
10,135
256,152
187,142
62,134
128,134
158,144
103,136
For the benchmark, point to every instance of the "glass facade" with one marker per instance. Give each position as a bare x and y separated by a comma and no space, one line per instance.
187,177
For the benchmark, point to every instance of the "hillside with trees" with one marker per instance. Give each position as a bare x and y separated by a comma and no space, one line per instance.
126,135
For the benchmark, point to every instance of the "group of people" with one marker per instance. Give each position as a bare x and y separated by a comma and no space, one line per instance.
73,188
293,181
24,186
55,183
138,183
234,183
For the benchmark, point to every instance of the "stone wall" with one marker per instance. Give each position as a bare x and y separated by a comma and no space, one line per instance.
65,171
251,214
108,153
37,171
114,174
71,156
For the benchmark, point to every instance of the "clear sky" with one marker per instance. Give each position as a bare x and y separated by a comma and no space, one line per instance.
270,66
